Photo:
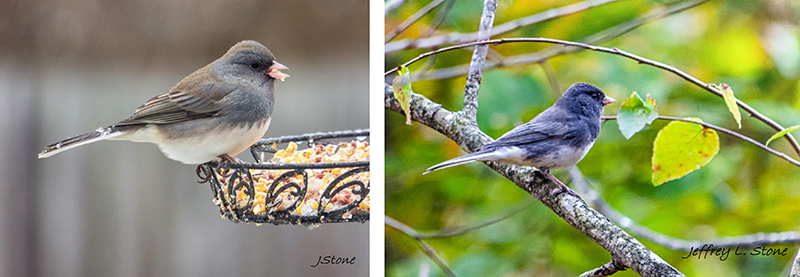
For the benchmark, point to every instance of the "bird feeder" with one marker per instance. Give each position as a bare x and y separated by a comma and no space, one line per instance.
309,180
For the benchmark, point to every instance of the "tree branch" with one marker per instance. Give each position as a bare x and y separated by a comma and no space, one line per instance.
760,239
555,50
551,78
478,60
391,5
708,87
450,232
573,210
498,30
460,230
437,21
407,23
426,248
608,269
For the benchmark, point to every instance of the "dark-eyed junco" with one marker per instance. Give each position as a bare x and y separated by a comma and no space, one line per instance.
559,137
216,112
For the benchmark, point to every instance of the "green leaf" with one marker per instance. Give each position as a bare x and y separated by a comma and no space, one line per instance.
782,133
680,148
635,113
402,91
730,101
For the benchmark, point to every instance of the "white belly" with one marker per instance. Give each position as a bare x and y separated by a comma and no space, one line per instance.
564,158
201,149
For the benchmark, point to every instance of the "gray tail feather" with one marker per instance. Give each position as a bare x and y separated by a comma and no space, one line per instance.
468,158
64,145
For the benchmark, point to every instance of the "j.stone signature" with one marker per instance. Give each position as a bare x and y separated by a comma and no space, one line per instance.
332,259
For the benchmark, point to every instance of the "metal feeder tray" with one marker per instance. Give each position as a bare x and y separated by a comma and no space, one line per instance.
209,172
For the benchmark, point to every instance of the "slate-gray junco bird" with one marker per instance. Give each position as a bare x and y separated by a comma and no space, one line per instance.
216,112
558,137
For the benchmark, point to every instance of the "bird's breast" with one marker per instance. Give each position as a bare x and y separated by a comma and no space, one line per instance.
550,155
225,139
564,156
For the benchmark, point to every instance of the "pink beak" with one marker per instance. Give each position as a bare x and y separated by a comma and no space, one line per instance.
608,100
274,71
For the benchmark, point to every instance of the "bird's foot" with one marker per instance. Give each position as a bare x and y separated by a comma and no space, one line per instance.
563,189
203,173
225,158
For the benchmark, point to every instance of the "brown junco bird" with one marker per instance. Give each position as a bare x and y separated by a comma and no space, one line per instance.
214,113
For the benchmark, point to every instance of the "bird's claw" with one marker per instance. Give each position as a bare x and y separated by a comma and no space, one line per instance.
225,158
203,173
562,187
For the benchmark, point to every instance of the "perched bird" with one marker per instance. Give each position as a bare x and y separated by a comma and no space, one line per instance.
214,113
558,137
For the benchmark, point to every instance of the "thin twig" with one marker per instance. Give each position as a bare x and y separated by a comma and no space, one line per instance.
492,55
460,230
497,30
502,41
392,5
616,51
426,248
724,130
759,239
437,21
478,60
608,269
551,78
428,65
552,51
408,22
455,231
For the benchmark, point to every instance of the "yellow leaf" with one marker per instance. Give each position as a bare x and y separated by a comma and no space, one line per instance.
730,101
402,91
782,133
680,148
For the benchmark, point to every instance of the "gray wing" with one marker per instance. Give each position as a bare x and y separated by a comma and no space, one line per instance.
547,125
530,132
180,104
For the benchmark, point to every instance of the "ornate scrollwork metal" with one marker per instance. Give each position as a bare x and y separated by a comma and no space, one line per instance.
228,179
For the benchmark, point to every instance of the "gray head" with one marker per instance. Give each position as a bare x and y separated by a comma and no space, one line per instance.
584,99
252,61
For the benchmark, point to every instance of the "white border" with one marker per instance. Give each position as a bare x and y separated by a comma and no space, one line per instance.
377,140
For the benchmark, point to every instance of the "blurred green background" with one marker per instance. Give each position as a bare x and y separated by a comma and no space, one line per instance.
752,45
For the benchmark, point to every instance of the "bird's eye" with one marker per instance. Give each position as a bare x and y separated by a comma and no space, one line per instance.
254,65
